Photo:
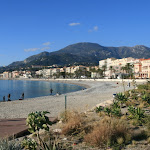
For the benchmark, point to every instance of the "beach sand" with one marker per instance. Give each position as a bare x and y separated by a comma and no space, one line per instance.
97,92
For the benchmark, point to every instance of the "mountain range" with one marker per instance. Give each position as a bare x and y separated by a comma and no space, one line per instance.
82,53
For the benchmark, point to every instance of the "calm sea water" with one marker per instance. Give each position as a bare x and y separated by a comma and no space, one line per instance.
33,89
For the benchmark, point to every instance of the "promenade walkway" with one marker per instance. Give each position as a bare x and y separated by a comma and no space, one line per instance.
14,128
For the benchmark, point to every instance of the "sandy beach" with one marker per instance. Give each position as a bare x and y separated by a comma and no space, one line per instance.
97,92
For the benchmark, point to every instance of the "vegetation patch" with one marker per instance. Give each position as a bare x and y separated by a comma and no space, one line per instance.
110,131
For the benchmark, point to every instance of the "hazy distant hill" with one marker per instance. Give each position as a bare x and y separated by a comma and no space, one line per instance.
83,53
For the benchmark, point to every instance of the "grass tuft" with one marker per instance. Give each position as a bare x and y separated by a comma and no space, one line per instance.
108,132
74,123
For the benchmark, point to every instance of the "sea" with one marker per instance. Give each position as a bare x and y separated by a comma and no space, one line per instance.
32,89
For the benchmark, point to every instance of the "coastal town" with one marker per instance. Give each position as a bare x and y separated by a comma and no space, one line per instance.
109,68
75,75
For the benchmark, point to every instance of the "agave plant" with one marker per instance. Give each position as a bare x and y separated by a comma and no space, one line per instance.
115,105
121,98
116,110
146,98
99,109
136,113
107,110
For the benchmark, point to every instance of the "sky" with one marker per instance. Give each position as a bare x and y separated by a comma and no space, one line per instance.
29,27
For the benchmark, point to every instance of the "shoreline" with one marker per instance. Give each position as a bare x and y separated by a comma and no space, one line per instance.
96,92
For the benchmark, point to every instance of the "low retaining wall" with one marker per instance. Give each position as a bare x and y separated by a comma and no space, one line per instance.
112,80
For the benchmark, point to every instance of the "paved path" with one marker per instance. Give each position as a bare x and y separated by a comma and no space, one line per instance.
15,127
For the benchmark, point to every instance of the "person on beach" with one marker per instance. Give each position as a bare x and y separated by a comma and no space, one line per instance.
129,84
51,91
22,96
9,97
3,98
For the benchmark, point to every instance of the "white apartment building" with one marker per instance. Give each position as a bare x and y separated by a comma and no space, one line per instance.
142,69
15,74
1,75
113,66
72,69
107,62
47,73
55,71
7,75
39,72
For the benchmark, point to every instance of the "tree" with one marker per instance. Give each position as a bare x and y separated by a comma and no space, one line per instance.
114,71
104,67
92,69
123,68
80,73
128,67
69,75
100,72
111,70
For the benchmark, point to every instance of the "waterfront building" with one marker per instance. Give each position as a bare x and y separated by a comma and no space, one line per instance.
114,67
15,74
7,75
1,75
142,69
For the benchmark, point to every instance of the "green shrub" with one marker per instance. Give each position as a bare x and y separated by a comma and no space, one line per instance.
29,144
143,86
37,121
9,145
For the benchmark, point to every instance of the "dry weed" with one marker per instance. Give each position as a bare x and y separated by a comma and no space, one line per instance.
108,132
148,140
75,123
142,104
120,140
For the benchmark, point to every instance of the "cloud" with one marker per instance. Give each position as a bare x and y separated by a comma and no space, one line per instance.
36,49
44,48
74,24
95,28
31,49
46,43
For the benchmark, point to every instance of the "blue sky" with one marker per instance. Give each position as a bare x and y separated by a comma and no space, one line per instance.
28,27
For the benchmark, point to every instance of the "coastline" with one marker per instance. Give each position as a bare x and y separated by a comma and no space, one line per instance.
96,92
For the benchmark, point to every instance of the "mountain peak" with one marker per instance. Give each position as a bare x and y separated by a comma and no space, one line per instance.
139,46
85,44
84,53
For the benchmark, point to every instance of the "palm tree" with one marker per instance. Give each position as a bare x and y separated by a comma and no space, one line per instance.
92,70
111,69
114,71
100,72
104,67
128,67
123,68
